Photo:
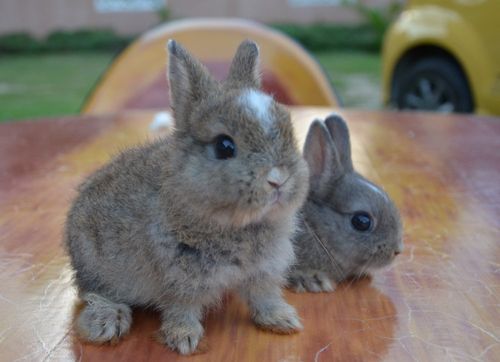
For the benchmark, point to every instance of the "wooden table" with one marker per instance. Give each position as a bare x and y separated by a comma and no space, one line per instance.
440,301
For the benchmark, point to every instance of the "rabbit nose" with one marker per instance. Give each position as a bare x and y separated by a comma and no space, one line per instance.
399,249
274,184
277,177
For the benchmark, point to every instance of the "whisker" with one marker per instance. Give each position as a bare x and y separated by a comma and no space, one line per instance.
349,273
358,276
335,264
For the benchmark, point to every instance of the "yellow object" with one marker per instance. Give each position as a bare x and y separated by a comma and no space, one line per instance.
137,78
464,31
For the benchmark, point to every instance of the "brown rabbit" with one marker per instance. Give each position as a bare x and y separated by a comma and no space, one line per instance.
175,223
349,226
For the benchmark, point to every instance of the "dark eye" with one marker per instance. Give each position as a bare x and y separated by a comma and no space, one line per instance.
361,221
224,147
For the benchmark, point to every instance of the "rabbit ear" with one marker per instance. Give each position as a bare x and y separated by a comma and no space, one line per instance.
189,80
244,70
340,135
321,156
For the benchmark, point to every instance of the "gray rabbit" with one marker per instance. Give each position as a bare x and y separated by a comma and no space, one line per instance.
349,226
175,223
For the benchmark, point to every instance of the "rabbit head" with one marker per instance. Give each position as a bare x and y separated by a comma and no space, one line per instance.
234,157
355,219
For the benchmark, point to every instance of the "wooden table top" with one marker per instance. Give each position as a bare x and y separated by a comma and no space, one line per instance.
439,301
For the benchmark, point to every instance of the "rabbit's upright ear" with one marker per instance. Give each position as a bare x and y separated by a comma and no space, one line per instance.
244,71
189,80
340,135
322,158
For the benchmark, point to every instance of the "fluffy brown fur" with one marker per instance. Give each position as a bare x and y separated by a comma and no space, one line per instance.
171,226
328,247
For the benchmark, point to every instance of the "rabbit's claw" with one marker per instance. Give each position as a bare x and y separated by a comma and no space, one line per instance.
314,281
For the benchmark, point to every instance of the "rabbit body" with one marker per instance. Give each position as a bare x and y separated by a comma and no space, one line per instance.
174,223
349,226
197,261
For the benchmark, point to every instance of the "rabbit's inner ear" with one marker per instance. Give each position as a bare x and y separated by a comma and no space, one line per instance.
189,80
244,70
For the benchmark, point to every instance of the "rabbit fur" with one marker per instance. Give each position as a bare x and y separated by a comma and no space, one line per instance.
328,248
170,226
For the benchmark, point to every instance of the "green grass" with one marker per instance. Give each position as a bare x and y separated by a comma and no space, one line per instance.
57,84
355,77
47,85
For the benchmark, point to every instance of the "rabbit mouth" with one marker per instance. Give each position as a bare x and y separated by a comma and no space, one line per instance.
279,200
380,260
276,198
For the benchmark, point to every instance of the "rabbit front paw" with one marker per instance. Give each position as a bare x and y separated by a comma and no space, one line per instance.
103,321
182,336
280,318
310,281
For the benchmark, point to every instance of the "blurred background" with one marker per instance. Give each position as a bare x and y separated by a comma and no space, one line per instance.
52,52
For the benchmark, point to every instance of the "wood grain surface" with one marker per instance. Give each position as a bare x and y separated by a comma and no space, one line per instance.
438,302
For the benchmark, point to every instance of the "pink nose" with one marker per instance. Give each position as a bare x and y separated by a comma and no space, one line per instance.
277,176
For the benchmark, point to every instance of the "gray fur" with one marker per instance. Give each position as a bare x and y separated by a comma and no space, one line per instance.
328,248
167,225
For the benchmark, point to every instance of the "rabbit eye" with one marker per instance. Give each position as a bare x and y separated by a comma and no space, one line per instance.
224,147
361,221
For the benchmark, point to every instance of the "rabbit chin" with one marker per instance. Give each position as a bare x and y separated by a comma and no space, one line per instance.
242,216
